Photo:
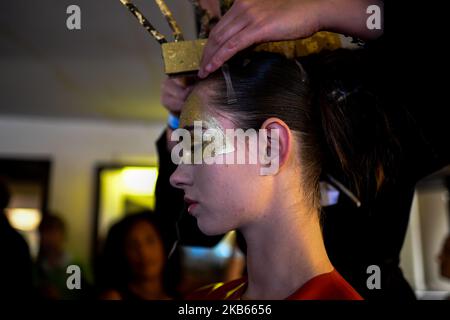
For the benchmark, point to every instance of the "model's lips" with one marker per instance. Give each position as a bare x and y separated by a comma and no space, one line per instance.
191,204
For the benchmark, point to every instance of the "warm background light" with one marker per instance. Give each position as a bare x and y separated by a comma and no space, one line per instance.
125,190
139,181
24,219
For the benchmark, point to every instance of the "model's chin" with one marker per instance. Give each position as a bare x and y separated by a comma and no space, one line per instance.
210,229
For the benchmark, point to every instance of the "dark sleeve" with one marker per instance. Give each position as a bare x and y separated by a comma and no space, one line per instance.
423,68
421,118
170,204
432,126
16,265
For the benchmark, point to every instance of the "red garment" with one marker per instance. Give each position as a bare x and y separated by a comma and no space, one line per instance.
326,286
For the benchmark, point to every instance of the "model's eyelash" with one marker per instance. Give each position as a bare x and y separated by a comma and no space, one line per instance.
199,147
194,147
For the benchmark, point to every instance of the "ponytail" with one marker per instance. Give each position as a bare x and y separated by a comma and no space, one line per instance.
358,143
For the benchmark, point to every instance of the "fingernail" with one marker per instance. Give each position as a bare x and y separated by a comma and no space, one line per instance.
209,67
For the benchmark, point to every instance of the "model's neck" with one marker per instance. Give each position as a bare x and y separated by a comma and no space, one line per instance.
284,252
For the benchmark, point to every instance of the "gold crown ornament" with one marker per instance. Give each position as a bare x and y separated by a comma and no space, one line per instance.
182,57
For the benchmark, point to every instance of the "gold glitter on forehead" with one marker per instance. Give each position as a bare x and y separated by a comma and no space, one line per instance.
192,111
195,110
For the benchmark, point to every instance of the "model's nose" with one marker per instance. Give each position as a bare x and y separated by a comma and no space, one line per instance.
180,177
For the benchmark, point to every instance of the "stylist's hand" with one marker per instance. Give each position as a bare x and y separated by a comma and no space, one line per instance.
174,92
250,22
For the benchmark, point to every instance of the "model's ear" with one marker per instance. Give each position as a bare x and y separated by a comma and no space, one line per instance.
275,151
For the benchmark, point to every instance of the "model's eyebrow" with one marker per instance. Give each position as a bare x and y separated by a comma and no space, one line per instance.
191,128
188,128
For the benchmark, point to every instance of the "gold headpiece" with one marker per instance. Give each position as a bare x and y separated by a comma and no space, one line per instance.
180,56
183,57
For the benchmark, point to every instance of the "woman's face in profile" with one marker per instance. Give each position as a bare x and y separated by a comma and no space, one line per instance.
221,197
144,250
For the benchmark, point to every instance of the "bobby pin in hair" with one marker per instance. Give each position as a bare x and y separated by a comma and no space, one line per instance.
231,96
302,70
340,95
346,191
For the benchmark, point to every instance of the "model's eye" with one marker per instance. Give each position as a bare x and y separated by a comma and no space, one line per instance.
186,155
196,149
209,151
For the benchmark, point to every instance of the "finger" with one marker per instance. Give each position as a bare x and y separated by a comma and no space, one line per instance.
172,83
178,93
237,9
186,92
219,36
241,41
172,103
182,96
173,88
228,21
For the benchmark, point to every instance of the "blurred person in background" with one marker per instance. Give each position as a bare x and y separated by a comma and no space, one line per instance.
15,266
134,264
50,268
